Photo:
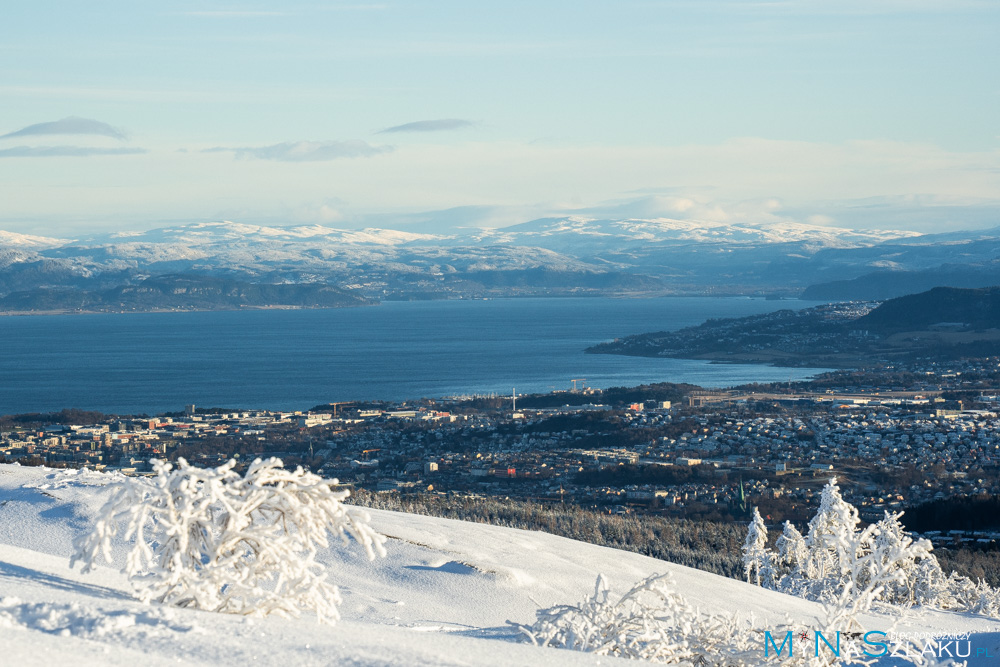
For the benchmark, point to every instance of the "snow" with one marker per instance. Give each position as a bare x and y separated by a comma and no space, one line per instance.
307,253
226,232
442,595
27,241
579,230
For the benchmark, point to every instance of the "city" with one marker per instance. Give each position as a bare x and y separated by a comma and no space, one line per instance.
702,455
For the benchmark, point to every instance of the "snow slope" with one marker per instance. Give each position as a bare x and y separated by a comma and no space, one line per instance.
442,596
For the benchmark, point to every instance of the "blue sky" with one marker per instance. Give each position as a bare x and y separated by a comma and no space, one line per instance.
128,115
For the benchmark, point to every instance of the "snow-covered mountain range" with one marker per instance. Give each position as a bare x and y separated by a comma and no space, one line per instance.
569,232
442,595
563,255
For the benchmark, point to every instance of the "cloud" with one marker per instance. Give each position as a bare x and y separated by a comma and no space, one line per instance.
691,206
923,213
233,14
252,13
66,151
305,151
439,125
70,125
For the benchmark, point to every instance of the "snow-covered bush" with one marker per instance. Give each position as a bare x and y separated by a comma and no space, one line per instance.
653,622
968,595
650,622
213,540
851,569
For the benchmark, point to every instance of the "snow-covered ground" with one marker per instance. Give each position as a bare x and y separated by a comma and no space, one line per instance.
442,596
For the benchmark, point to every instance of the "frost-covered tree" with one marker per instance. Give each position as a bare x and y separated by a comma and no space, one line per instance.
792,551
214,540
839,564
758,567
850,569
881,569
831,536
913,583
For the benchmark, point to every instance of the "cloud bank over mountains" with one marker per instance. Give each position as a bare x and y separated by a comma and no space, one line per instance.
868,185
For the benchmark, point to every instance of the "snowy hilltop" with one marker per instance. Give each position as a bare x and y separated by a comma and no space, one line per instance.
445,593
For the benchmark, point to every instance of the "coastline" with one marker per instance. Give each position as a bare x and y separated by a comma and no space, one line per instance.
110,311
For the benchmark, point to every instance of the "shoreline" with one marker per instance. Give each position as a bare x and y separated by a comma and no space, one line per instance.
64,311
631,296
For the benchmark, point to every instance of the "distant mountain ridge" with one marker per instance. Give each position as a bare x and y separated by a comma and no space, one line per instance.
558,256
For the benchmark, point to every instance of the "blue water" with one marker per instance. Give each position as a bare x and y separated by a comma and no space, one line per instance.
295,359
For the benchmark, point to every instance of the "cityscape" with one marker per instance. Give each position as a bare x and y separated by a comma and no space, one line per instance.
704,454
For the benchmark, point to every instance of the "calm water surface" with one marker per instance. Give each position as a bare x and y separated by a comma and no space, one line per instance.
295,359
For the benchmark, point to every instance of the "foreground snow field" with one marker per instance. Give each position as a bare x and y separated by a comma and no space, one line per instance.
442,596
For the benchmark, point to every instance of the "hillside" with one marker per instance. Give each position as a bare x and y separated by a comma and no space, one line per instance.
967,309
442,595
942,323
180,292
881,285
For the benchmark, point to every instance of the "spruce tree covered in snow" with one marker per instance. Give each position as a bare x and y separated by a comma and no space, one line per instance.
213,540
757,560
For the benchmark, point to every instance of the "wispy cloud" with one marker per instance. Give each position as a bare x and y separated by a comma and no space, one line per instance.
846,7
66,151
255,13
234,13
439,125
70,125
305,151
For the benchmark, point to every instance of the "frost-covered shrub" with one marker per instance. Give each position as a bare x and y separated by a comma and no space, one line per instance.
651,622
965,594
211,539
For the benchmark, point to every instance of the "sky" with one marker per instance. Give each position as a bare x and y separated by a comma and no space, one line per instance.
859,113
